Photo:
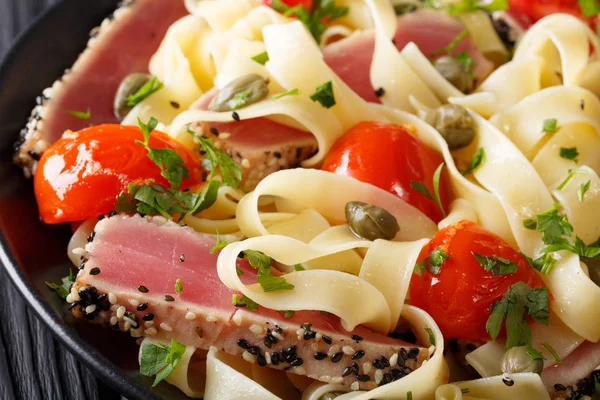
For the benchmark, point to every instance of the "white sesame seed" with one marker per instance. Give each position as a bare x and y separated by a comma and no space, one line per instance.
355,386
150,332
424,362
126,326
75,294
79,251
149,324
277,335
190,316
318,336
135,332
300,332
112,298
69,298
378,376
394,360
80,273
337,379
134,302
237,319
120,312
248,357
333,349
299,370
131,321
325,378
348,350
90,309
224,136
367,367
256,329
268,357
245,163
211,318
166,327
113,320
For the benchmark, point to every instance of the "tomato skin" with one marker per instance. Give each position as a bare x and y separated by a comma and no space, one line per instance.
460,296
538,9
307,4
80,175
389,157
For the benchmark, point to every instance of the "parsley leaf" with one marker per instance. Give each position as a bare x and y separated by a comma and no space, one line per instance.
464,390
64,288
583,188
518,301
552,352
268,282
421,188
213,158
453,43
409,395
324,11
169,162
434,262
219,245
178,286
291,92
496,265
239,100
474,5
324,95
149,87
589,8
261,58
533,353
87,114
569,153
476,161
431,335
298,267
549,125
287,313
545,263
465,59
160,360
244,302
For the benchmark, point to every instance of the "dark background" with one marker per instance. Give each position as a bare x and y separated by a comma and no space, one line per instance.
33,365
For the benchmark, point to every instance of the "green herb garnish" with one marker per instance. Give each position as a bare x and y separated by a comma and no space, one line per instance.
433,262
261,58
287,313
87,114
474,5
552,352
149,87
570,176
298,267
178,286
219,245
324,11
324,95
589,8
422,189
549,125
476,161
431,335
64,288
160,360
244,302
569,153
583,188
449,48
213,158
262,263
496,265
291,92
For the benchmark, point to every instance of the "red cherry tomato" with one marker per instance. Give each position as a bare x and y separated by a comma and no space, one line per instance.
307,4
80,175
459,297
538,9
389,157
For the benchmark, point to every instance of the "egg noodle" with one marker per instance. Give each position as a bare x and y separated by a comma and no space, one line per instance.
297,216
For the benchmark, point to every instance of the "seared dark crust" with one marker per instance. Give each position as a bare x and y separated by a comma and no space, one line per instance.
30,145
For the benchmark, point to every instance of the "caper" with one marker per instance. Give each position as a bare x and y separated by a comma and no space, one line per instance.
240,92
371,222
129,85
330,395
455,124
517,360
455,72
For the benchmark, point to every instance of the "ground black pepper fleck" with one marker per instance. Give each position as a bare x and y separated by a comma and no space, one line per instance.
379,92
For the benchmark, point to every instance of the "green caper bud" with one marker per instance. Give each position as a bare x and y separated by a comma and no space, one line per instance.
330,395
129,85
517,360
243,91
371,222
455,72
455,124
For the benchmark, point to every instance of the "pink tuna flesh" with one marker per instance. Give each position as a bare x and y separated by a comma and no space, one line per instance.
136,261
573,368
350,58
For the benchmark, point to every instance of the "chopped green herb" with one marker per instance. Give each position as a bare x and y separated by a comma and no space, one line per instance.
434,262
239,100
160,360
496,265
476,161
518,301
474,5
570,176
552,352
238,271
465,59
436,188
324,95
324,11
421,188
298,267
569,153
149,87
291,92
545,263
449,48
87,114
431,335
409,395
178,286
549,125
213,158
261,58
64,288
287,313
589,8
533,353
268,282
583,188
219,245
419,269
464,390
244,302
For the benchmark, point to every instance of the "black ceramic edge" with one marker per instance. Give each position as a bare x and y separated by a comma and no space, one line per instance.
67,336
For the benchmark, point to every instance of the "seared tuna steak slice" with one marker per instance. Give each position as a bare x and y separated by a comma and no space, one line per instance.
121,45
128,282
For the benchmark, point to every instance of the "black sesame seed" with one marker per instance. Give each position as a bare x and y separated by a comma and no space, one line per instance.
94,271
261,360
413,353
82,265
385,362
507,381
347,371
34,155
297,362
354,368
406,370
396,373
403,354
90,238
327,339
275,358
181,257
378,364
387,378
204,176
235,116
143,289
363,378
267,341
358,355
337,357
357,338
379,92
112,213
148,317
142,307
168,297
175,104
88,295
586,387
277,154
320,355
102,298
214,131
309,335
401,361
254,350
105,306
243,344
559,387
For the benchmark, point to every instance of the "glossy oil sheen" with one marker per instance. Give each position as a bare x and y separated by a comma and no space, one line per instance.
31,251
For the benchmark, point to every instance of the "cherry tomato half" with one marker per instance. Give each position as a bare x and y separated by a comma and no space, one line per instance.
389,157
80,175
307,4
538,9
459,297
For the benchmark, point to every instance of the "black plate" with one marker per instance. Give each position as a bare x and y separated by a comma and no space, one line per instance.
31,251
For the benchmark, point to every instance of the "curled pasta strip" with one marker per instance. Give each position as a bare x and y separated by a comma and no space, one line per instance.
526,386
